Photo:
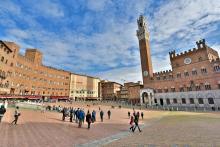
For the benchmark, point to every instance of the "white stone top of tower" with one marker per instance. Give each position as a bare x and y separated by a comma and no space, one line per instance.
142,32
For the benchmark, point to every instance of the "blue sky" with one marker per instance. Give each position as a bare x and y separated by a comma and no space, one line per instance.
98,37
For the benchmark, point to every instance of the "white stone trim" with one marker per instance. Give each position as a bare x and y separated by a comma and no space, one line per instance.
149,92
215,94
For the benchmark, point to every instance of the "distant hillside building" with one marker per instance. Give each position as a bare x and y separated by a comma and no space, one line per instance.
84,87
194,79
109,90
130,92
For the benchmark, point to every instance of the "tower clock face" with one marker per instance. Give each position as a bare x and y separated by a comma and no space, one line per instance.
145,73
187,60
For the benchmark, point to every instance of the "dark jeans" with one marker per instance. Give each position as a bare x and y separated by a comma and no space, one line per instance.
132,128
63,118
89,125
15,120
136,125
80,124
1,119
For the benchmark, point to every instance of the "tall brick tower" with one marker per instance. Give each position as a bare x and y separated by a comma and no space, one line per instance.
144,45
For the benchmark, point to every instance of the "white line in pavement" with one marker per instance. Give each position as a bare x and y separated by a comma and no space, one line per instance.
110,139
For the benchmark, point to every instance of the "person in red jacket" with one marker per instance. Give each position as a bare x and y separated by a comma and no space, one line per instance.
132,123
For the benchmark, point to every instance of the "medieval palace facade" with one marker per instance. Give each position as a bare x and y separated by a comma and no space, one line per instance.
194,79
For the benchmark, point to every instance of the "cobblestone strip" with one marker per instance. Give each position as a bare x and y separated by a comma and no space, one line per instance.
107,140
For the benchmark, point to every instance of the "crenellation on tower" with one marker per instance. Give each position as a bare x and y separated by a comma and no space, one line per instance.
172,54
200,46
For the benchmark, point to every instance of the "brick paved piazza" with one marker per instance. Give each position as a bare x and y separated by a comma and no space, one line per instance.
36,129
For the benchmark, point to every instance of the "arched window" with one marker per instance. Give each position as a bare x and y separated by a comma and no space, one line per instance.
191,100
189,88
165,89
200,100
181,89
2,59
203,70
175,101
183,101
178,75
211,101
198,87
216,68
186,74
168,101
194,72
207,86
173,89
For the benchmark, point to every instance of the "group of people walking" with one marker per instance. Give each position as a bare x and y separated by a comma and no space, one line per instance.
78,115
134,120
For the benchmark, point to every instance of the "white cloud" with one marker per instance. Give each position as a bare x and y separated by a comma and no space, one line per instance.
184,15
161,63
9,7
176,24
46,8
21,34
125,74
97,5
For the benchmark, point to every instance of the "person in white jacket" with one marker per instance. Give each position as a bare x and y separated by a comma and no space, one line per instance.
16,115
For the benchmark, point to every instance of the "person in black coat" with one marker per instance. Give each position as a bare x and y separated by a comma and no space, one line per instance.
129,114
88,119
101,115
142,115
71,115
64,114
2,112
109,114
